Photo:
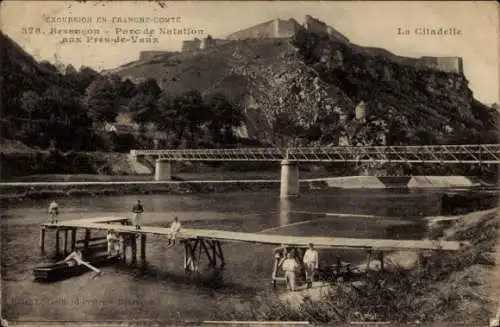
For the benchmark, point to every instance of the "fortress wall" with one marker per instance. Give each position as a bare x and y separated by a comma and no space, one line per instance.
316,26
287,28
273,29
446,64
264,30
149,55
210,42
191,45
450,64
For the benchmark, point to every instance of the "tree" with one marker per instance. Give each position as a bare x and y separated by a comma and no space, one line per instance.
285,129
70,70
102,100
193,108
47,65
143,106
84,78
170,118
127,89
57,116
149,86
29,101
223,117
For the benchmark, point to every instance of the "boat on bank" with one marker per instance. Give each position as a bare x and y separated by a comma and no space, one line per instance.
65,269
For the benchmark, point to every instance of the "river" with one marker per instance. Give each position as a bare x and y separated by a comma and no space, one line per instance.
163,291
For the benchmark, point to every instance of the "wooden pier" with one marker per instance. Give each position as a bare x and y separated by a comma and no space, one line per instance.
208,242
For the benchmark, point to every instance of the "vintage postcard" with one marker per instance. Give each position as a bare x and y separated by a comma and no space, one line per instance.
233,162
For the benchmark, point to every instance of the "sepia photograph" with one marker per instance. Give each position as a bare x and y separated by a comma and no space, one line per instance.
250,163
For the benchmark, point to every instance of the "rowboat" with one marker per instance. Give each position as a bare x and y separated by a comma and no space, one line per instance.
65,269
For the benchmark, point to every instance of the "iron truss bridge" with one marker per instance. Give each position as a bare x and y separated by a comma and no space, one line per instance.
470,154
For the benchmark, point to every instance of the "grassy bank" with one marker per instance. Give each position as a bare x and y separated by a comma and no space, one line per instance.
446,287
18,193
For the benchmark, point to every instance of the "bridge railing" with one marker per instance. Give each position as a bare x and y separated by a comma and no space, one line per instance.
482,153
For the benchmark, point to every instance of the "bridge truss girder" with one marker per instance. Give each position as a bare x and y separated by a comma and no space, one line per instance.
470,154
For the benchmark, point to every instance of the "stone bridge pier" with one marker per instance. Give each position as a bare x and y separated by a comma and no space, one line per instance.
163,170
289,186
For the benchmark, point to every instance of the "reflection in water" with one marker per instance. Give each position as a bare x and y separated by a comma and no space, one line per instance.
285,208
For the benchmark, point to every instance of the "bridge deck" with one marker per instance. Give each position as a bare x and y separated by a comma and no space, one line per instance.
297,241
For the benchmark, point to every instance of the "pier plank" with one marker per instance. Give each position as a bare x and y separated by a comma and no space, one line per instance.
104,223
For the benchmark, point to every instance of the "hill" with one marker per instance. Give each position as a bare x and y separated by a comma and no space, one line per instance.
21,72
314,89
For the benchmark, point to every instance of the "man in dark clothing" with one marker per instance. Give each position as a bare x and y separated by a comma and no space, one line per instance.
137,209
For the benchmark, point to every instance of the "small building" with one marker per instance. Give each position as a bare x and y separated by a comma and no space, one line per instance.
121,129
381,138
157,135
344,140
360,111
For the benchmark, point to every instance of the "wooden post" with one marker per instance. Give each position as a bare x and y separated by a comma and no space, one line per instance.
189,256
368,260
221,255
57,242
86,241
42,240
124,239
186,255
214,253
134,249
143,249
381,258
73,239
275,268
300,253
197,267
65,242
211,262
422,258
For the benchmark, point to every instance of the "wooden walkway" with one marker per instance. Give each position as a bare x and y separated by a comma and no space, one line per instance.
105,223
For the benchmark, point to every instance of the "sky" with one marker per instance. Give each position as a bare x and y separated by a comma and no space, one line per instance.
364,23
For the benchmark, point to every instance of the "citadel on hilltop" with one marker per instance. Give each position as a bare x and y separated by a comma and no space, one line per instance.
280,29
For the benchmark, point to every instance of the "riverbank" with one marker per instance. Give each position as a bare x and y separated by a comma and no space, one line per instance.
379,182
448,287
13,192
42,186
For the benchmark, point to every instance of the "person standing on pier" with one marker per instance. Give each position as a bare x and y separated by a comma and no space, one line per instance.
53,211
137,209
290,267
174,229
311,263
